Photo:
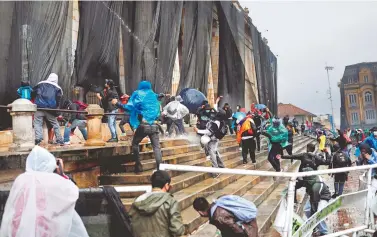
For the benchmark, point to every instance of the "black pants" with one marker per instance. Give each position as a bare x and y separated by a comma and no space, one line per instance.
248,146
229,123
289,149
124,121
257,138
275,150
152,132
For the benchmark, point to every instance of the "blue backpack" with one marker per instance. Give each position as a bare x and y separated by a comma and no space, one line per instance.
244,210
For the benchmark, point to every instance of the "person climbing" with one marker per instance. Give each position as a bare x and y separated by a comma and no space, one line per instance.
229,113
25,90
233,215
278,137
41,202
246,137
289,148
258,121
319,194
47,94
339,160
73,121
215,130
126,117
176,111
144,110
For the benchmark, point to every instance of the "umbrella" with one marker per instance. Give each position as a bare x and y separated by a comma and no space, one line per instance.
260,106
192,99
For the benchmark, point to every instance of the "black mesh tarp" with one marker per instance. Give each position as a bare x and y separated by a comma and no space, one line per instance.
255,38
36,45
196,45
150,41
97,53
231,54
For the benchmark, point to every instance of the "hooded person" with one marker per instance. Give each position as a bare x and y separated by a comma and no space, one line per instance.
42,203
157,213
278,137
144,110
176,112
47,94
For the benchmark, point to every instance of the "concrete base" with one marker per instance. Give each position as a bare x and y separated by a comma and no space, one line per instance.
21,147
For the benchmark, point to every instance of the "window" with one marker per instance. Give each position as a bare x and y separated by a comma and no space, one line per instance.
352,99
366,79
354,117
368,97
370,115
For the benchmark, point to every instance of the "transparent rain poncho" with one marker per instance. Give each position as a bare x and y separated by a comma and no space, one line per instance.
42,203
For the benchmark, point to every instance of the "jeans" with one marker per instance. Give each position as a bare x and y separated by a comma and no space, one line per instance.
248,146
257,138
111,121
214,154
81,124
152,132
38,125
275,150
322,227
177,124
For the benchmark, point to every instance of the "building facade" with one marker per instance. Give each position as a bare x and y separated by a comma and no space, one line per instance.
358,88
302,116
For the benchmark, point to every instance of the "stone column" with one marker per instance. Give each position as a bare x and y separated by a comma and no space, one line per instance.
22,122
95,114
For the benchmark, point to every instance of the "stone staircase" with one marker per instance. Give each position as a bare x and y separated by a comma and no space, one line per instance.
186,186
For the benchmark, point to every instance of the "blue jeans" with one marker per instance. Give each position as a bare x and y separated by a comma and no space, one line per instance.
75,124
111,121
322,227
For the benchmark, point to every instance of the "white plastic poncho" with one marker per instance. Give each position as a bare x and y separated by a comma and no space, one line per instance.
175,110
41,203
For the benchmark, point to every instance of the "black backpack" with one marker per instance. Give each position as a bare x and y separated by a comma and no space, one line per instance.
222,131
339,160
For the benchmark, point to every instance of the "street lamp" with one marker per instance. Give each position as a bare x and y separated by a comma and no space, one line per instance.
329,68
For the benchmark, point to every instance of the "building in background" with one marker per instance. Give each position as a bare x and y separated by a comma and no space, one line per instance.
325,120
358,88
293,111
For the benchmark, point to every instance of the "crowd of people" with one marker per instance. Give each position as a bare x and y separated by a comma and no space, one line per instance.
157,213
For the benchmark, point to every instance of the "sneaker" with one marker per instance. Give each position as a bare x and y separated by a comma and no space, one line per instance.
208,157
254,161
113,140
38,142
240,149
244,162
67,143
334,195
60,143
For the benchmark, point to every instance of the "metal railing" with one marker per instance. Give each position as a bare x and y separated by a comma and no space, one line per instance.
291,189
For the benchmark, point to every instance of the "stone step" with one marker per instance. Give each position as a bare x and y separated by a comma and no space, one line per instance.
187,178
191,218
226,146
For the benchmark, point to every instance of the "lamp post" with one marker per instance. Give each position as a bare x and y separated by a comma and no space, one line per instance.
329,68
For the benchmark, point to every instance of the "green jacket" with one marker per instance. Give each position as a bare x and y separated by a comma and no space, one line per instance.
156,214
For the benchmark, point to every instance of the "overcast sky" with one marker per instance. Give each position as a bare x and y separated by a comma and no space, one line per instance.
306,35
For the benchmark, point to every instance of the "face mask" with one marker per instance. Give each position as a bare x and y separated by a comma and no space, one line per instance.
207,111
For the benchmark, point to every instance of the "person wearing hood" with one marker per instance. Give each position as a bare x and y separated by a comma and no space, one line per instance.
368,156
157,214
42,203
25,91
47,94
211,135
175,111
319,194
278,137
144,110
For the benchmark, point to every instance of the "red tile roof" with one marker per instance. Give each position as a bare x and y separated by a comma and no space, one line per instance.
291,110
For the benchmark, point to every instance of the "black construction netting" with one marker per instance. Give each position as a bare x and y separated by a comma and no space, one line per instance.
196,45
33,46
231,54
97,52
150,40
